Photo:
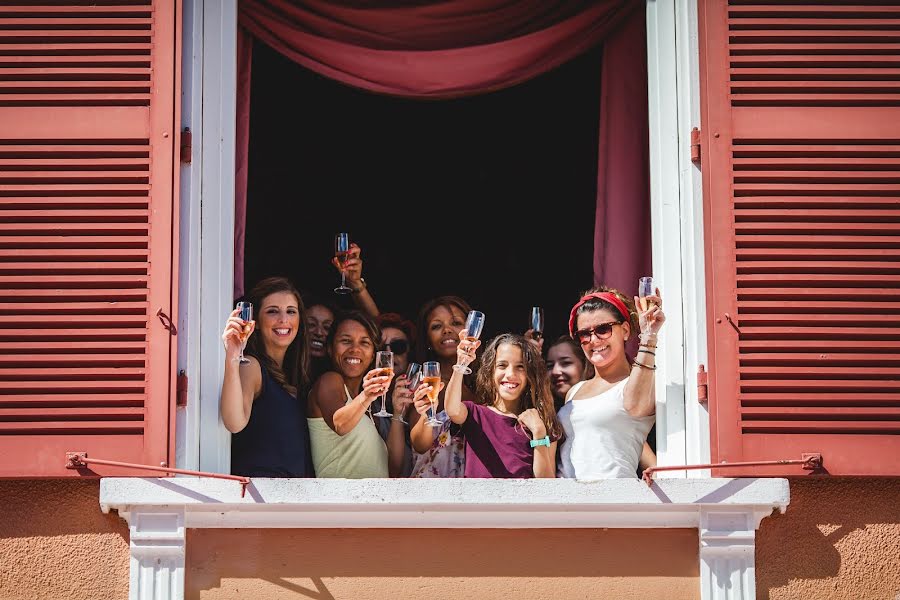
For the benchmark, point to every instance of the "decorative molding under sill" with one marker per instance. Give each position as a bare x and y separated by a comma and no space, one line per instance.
727,513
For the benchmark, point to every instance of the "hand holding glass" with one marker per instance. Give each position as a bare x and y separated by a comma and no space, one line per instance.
645,288
537,322
246,315
474,325
431,375
413,377
342,253
384,363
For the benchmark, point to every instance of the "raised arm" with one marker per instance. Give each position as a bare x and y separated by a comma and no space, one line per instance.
640,397
421,436
343,416
241,384
465,355
353,272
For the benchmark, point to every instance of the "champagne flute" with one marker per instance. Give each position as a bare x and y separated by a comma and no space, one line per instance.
246,316
431,375
342,253
474,325
537,322
413,378
384,362
645,288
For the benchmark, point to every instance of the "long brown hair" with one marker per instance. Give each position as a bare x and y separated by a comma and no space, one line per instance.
293,375
537,393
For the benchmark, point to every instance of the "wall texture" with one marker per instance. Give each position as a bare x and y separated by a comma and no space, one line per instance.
408,564
839,539
55,542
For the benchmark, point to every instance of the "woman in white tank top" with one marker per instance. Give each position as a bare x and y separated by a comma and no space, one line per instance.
607,418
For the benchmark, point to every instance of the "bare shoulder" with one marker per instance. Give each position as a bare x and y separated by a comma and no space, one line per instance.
326,382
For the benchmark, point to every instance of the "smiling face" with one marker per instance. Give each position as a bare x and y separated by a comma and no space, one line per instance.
444,325
392,334
318,322
565,368
279,321
352,349
510,374
603,353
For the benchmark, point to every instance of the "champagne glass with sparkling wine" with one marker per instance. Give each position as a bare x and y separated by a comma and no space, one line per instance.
431,375
474,325
384,362
342,253
246,316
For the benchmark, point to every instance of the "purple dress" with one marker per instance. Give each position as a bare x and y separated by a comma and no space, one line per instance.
496,445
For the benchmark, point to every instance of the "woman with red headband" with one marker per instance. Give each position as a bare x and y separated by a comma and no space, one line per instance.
606,419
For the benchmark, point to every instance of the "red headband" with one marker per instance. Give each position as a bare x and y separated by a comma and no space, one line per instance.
606,297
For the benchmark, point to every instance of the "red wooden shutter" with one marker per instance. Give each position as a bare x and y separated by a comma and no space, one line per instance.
801,173
88,99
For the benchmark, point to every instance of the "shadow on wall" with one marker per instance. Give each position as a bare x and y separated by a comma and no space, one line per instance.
840,538
426,563
55,542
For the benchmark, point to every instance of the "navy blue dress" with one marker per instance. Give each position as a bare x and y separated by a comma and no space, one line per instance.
275,442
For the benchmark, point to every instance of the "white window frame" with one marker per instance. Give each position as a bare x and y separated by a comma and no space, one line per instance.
207,222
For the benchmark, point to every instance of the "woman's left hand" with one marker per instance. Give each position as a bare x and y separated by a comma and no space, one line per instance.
531,419
652,319
402,397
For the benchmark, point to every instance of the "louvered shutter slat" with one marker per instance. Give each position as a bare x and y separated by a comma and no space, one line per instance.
801,168
87,176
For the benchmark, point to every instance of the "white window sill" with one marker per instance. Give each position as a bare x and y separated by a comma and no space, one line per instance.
726,512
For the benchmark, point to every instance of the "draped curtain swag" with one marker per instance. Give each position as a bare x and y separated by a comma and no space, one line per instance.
459,48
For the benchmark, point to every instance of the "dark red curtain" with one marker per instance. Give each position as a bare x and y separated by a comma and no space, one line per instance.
465,47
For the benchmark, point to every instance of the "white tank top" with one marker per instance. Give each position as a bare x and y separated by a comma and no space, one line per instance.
602,440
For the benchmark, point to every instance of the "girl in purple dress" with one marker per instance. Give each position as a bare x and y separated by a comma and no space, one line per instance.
511,428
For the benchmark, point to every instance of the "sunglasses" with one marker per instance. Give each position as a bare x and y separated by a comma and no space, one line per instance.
396,346
602,331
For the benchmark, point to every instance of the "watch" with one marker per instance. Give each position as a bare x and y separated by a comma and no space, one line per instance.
544,441
361,287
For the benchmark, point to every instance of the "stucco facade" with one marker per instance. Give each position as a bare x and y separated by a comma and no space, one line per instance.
838,539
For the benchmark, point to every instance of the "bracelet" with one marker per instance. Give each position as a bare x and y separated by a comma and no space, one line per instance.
646,351
361,287
397,418
643,366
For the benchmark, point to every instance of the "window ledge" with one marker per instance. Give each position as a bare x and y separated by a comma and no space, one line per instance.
726,512
457,503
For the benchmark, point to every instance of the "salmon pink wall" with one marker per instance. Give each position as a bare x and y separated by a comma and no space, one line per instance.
397,564
55,542
839,539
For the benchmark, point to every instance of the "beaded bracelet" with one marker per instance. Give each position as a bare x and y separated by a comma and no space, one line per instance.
643,366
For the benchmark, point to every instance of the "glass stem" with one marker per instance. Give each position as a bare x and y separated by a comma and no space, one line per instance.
343,279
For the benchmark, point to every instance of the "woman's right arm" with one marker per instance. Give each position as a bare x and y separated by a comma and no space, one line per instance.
241,384
421,436
465,354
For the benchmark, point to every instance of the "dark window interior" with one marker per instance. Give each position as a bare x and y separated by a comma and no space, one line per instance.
488,197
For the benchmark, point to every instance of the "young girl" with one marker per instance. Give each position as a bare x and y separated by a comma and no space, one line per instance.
345,441
511,429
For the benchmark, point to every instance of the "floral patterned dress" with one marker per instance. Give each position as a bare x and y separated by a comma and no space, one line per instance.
447,455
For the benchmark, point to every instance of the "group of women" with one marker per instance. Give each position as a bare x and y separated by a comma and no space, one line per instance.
303,405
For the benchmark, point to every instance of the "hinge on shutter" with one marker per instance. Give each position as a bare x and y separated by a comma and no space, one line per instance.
181,389
695,146
808,462
702,384
186,147
80,460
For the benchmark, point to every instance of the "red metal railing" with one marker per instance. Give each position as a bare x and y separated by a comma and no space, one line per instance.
809,462
80,460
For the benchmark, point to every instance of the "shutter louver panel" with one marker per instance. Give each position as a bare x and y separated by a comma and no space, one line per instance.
802,185
86,233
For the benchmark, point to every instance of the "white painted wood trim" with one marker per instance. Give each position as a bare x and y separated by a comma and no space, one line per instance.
217,221
693,289
187,420
728,552
666,217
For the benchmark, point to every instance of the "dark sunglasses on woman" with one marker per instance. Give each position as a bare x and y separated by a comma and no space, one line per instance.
396,346
602,331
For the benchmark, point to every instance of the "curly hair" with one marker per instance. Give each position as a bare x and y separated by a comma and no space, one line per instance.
537,392
293,374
